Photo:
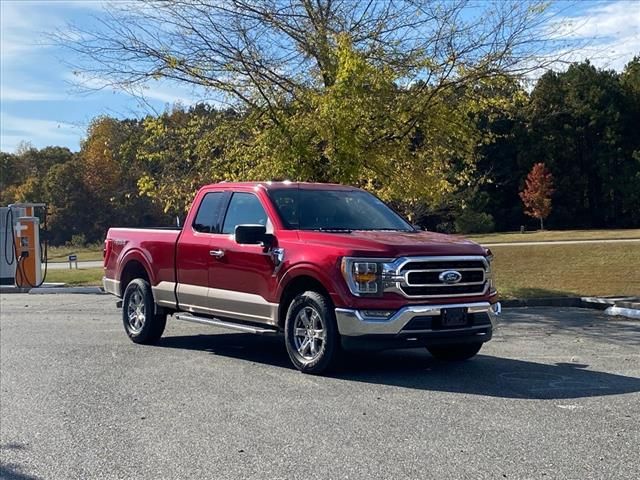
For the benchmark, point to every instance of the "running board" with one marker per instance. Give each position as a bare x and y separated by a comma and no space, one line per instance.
225,324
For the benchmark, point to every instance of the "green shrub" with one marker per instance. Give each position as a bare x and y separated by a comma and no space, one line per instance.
78,240
470,221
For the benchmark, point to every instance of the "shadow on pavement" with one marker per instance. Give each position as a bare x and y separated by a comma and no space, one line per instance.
585,323
12,446
416,369
10,471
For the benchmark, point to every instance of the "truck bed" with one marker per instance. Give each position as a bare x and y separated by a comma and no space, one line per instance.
154,248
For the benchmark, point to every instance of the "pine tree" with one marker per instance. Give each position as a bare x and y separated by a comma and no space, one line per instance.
536,195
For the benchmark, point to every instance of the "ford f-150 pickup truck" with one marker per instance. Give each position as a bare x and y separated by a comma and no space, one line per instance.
329,266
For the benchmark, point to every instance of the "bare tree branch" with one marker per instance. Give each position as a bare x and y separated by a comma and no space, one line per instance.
265,53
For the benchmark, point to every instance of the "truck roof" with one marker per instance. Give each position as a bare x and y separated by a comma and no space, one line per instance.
270,185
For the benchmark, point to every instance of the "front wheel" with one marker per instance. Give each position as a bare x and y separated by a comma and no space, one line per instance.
141,322
311,334
455,352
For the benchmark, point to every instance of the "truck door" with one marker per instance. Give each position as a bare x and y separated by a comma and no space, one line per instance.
241,275
193,253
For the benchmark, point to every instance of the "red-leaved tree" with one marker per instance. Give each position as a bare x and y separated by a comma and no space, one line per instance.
537,192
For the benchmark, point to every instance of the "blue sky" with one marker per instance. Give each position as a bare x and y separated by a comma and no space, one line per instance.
40,105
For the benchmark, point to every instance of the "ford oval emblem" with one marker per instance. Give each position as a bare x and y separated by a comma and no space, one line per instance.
450,277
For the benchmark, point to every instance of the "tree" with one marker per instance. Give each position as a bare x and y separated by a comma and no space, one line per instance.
536,195
71,208
111,163
377,94
335,136
181,150
260,52
581,123
11,175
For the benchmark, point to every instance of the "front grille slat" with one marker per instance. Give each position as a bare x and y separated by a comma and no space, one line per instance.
444,291
449,265
431,278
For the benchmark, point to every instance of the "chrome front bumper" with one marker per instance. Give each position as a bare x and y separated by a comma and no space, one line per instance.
353,323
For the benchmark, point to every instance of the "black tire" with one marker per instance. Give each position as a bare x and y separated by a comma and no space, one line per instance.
148,326
456,352
327,345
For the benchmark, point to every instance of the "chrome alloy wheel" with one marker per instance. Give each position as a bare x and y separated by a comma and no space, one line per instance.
136,312
309,333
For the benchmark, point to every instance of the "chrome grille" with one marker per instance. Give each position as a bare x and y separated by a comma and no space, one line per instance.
419,277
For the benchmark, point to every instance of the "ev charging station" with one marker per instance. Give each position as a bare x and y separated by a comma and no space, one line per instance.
22,253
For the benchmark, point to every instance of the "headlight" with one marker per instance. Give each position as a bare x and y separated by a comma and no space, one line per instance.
363,275
489,258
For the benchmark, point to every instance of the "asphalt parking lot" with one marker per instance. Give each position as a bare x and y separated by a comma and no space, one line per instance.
554,395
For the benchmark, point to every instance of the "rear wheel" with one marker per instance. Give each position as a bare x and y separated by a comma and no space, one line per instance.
141,322
311,334
455,352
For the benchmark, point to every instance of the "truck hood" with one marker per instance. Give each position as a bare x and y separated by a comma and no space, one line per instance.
394,244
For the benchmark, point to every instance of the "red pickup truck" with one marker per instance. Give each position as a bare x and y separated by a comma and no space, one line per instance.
331,267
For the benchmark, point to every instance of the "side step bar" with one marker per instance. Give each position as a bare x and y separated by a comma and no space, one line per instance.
226,324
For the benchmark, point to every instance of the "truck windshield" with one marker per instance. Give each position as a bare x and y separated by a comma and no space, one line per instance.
335,210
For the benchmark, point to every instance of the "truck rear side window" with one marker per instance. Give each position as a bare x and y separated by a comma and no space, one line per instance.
244,209
209,213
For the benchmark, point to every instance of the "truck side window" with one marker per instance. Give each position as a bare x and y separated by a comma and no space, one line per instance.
209,212
244,208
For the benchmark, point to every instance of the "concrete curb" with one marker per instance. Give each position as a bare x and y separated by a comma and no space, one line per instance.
12,289
623,312
542,302
616,306
77,290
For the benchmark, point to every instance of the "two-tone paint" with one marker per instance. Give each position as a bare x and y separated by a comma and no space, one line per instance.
209,273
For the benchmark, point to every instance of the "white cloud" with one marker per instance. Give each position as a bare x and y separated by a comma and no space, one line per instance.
612,19
40,132
16,23
164,91
607,34
168,94
11,94
23,47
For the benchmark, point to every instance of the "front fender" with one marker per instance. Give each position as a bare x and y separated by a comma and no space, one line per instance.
328,278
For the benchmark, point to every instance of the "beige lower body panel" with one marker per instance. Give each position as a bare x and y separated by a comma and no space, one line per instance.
111,286
217,302
164,294
241,305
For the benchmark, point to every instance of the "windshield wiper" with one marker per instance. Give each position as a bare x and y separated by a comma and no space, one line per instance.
384,230
333,229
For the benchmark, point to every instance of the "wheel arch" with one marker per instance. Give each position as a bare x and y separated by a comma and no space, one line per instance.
133,268
296,285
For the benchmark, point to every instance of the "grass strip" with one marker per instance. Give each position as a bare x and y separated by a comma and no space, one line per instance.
553,235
